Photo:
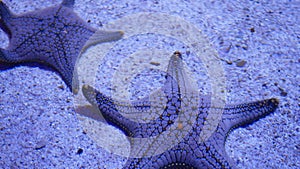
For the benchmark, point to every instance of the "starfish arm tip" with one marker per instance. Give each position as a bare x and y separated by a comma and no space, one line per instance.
89,94
275,101
121,33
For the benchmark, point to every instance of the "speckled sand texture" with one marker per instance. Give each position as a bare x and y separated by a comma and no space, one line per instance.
39,127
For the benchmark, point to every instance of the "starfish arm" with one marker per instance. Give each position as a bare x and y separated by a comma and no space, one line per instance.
125,108
132,121
244,114
68,3
108,109
101,36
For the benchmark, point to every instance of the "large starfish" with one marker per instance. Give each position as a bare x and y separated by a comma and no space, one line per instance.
172,129
53,36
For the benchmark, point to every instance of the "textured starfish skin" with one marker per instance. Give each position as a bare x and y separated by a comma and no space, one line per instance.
184,147
53,36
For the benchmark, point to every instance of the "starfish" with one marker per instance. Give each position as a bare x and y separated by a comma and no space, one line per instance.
53,36
167,129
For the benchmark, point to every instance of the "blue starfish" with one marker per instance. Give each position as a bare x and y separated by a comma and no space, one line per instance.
53,36
174,138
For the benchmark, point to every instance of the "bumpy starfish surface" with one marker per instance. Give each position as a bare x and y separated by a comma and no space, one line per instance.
53,36
168,131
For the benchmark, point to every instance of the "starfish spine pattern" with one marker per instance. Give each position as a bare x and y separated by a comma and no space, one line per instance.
172,120
53,36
